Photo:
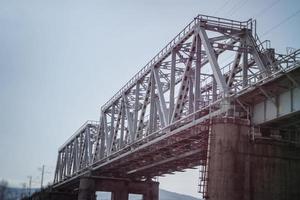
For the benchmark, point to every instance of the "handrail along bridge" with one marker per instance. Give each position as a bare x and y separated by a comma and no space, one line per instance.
160,121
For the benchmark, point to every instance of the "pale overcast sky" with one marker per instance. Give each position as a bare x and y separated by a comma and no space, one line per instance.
60,60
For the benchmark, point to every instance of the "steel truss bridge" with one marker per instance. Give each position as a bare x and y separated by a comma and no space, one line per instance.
159,122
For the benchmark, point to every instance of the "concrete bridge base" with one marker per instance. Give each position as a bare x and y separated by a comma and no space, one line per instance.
242,167
51,195
119,188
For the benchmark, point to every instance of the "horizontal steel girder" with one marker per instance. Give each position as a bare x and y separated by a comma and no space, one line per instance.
158,122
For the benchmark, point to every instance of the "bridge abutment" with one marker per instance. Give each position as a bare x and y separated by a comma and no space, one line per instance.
244,168
86,189
48,194
119,195
119,188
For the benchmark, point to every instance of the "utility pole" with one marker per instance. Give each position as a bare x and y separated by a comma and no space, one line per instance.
29,185
23,193
42,177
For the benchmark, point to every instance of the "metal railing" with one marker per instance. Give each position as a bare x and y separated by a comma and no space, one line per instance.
213,108
290,60
82,127
162,53
216,21
226,23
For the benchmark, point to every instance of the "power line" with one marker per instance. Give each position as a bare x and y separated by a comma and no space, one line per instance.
222,6
264,10
281,22
236,7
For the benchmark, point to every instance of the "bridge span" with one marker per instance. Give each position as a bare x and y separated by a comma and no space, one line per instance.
215,97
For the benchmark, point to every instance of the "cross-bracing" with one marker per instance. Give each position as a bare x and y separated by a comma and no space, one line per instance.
159,121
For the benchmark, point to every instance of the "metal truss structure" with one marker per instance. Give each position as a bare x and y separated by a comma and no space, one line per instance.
76,153
159,121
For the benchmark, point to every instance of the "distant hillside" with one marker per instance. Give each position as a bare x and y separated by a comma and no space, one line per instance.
15,194
166,195
163,195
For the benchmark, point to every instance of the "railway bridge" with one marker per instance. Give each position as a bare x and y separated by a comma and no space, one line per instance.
216,98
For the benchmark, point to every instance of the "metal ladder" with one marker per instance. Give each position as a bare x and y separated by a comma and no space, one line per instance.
203,170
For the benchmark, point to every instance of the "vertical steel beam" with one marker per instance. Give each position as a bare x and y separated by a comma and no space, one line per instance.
89,143
129,118
56,173
86,148
64,163
66,150
112,127
197,97
140,126
115,134
103,135
184,84
191,95
152,114
160,113
67,161
81,149
245,69
162,101
75,167
61,165
122,124
172,84
155,118
74,156
136,106
97,142
71,158
105,128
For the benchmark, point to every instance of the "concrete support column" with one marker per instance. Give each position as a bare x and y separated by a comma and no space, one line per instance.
119,195
60,196
244,169
152,192
120,188
228,157
86,189
119,191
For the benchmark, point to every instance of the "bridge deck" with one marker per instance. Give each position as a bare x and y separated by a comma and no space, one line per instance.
145,130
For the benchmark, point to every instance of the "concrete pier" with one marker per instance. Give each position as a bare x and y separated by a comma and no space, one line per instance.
86,189
241,168
119,188
51,195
